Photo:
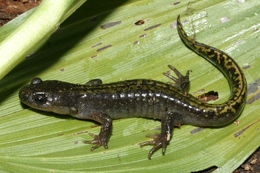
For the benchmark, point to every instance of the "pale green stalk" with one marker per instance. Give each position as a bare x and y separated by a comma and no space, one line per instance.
37,28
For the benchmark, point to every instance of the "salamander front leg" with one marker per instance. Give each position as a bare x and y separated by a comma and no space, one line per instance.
181,82
160,140
105,132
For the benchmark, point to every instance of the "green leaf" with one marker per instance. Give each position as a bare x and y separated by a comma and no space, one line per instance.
101,40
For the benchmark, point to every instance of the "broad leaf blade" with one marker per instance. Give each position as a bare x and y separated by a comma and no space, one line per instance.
39,142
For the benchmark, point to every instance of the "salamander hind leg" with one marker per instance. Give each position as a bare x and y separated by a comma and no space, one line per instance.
181,82
102,138
160,140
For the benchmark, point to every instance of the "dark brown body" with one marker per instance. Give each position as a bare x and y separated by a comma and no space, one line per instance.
133,98
143,98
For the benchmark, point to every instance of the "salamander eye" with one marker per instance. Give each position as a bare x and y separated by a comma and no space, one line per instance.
36,81
40,98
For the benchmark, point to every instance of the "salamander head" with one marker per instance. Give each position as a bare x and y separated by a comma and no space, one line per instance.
48,96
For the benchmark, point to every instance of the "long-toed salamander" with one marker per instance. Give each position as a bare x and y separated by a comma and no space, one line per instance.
169,103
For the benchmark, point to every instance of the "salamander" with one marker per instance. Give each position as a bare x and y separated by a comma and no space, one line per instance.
170,103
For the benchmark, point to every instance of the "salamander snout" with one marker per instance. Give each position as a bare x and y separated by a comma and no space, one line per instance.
48,96
34,94
23,95
32,98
